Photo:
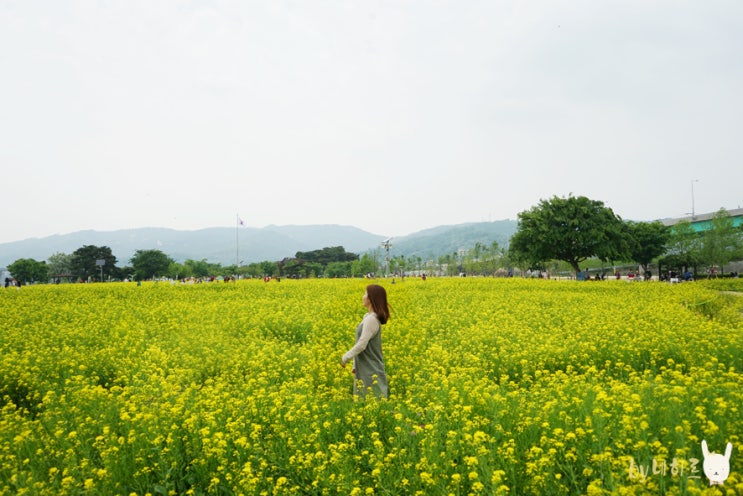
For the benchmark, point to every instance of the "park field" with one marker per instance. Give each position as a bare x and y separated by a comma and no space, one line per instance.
518,387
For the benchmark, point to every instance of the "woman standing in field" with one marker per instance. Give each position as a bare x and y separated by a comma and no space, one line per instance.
367,352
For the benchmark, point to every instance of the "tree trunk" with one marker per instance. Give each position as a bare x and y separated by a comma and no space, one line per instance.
576,268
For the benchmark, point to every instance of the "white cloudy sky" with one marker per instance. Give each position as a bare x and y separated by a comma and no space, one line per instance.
391,116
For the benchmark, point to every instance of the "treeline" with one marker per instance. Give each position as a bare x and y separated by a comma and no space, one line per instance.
97,263
573,231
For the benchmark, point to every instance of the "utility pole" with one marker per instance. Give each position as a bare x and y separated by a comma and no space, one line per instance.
100,263
386,244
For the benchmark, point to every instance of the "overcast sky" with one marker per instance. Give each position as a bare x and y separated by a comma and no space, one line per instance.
390,116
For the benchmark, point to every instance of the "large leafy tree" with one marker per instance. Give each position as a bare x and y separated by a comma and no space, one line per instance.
647,241
364,265
723,242
60,264
338,269
150,263
29,270
570,229
314,263
450,262
327,255
400,263
473,261
199,268
83,264
684,247
268,268
495,254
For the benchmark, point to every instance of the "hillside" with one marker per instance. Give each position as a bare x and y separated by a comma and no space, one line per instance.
273,243
443,240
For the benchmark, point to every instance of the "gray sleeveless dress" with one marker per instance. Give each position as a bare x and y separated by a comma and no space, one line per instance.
369,365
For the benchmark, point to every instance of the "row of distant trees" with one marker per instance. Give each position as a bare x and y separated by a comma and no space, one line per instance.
573,230
98,263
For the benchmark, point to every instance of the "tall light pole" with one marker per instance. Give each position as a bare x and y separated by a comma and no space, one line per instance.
693,213
386,244
237,241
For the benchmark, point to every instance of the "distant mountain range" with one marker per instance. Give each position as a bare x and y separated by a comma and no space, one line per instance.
225,245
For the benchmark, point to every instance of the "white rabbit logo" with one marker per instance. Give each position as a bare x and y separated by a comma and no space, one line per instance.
716,466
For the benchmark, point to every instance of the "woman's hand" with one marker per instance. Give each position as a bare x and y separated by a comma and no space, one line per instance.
343,364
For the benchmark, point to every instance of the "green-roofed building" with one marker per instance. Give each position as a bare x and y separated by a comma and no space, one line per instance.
703,222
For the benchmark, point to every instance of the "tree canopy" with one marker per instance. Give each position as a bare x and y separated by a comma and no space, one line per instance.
648,241
60,264
327,255
684,246
570,229
316,263
83,263
723,242
29,270
150,263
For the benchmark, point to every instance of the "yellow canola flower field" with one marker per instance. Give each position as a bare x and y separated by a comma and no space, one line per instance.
520,387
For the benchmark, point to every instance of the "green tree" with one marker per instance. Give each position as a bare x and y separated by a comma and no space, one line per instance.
60,264
84,266
449,261
122,273
176,270
150,263
260,269
314,263
571,229
314,269
29,270
459,257
399,263
418,262
723,242
647,241
197,268
377,260
684,247
327,255
268,268
495,253
474,263
364,265
292,267
338,269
